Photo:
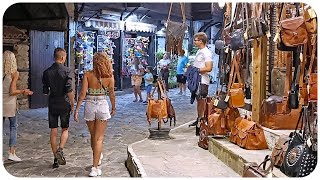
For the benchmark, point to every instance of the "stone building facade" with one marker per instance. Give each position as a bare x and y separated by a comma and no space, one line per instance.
17,41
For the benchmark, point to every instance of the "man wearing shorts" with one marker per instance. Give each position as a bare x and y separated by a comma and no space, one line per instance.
204,62
181,78
57,83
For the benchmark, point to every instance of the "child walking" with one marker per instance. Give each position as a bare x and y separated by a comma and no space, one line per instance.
148,78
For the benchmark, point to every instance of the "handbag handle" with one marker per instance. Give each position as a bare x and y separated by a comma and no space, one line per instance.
264,163
182,6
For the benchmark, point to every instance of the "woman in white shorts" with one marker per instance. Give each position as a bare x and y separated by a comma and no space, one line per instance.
95,84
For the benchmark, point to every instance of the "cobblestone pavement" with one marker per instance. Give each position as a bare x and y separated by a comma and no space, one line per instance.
127,126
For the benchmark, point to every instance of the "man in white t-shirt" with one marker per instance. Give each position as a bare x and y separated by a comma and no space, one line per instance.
204,62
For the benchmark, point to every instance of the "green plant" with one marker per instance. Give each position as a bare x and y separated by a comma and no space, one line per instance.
159,55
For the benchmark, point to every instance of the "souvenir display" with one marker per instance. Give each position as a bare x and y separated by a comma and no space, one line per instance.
134,48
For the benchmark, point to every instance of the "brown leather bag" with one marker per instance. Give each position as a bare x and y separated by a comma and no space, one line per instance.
310,18
217,123
281,121
279,150
236,92
293,31
203,135
248,134
252,169
231,115
157,109
170,111
313,91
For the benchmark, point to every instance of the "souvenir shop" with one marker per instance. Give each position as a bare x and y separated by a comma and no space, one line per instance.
138,42
122,41
267,61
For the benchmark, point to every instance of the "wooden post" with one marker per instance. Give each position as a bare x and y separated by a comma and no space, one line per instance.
259,76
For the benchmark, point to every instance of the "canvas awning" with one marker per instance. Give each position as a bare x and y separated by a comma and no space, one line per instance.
140,27
104,24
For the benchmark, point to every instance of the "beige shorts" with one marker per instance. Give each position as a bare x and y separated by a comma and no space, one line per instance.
96,108
136,80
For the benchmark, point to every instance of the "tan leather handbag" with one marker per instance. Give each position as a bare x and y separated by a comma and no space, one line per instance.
236,92
157,109
279,150
217,123
310,18
231,115
248,134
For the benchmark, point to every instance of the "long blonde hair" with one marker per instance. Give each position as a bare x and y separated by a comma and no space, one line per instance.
102,65
9,63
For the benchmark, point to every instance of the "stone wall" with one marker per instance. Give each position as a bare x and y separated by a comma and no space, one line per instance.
22,56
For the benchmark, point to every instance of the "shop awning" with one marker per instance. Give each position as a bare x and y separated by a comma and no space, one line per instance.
99,23
140,27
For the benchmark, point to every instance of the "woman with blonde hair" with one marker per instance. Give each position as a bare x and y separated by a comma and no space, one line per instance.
95,85
10,93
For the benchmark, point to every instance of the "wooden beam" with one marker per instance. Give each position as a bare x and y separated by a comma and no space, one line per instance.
258,77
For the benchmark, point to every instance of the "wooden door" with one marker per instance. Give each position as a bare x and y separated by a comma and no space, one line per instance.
42,45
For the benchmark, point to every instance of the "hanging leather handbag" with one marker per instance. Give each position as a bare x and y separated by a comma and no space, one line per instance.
300,160
203,135
175,31
257,25
248,134
236,92
310,18
293,31
252,169
279,150
236,39
313,91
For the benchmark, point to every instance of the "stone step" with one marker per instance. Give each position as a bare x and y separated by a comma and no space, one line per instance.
235,157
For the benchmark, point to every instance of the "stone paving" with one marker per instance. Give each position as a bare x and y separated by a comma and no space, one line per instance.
178,157
129,125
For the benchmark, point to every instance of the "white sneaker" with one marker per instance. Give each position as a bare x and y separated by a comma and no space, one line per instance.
101,157
95,172
14,157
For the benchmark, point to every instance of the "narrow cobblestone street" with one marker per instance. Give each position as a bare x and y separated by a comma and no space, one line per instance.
127,126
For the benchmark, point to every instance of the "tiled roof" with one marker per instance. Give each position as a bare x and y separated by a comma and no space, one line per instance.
11,32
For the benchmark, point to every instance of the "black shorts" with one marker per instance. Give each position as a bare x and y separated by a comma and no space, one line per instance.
64,120
181,78
203,91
